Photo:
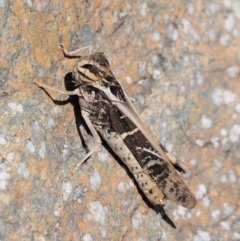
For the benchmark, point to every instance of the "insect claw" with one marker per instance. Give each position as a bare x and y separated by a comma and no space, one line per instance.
64,50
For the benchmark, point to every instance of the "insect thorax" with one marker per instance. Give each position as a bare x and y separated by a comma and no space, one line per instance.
90,69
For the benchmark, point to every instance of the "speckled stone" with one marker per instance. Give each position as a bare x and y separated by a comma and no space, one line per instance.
179,60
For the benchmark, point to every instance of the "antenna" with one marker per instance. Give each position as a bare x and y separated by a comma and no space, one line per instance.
110,35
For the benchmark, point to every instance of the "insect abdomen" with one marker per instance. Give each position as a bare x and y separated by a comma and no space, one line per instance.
150,189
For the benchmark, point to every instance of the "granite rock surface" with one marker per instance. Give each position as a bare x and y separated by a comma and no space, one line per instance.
179,61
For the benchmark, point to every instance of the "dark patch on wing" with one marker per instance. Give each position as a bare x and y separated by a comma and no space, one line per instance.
161,172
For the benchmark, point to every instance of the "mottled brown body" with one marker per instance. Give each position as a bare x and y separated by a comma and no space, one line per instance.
101,92
108,111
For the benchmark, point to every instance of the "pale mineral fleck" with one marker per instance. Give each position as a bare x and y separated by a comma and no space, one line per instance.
57,208
223,132
143,9
57,110
142,239
227,3
237,107
68,17
65,150
30,147
183,88
236,236
51,122
103,232
212,34
186,25
142,65
131,184
95,180
129,79
213,7
216,214
15,108
190,8
87,237
195,35
155,59
224,140
229,96
41,238
98,212
23,170
199,142
41,5
204,235
167,111
141,99
234,116
236,8
200,78
223,179
193,162
121,187
3,141
225,225
171,32
155,36
181,211
79,193
197,238
66,190
103,156
229,22
206,201
224,40
233,71
227,209
35,127
189,215
232,177
217,164
4,176
136,219
217,96
215,142
40,70
206,122
235,33
10,156
169,146
234,133
156,74
201,192
2,2
42,151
